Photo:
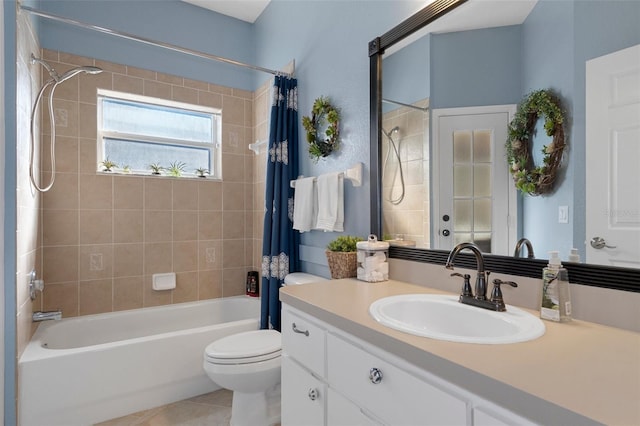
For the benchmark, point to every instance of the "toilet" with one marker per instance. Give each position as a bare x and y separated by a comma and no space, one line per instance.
248,364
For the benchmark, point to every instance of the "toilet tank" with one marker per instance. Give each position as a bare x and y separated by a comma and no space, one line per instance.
302,278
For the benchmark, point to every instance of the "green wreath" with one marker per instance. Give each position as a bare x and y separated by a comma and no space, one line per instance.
318,146
529,178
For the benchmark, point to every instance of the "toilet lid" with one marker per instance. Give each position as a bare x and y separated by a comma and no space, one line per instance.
250,346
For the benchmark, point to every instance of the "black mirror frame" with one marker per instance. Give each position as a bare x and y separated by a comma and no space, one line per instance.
616,278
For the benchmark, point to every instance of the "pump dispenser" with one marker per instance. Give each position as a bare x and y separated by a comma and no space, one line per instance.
556,299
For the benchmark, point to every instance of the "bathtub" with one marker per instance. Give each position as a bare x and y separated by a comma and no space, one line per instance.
84,370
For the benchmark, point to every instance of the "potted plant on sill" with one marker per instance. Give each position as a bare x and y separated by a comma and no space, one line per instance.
342,257
201,171
176,168
156,168
108,165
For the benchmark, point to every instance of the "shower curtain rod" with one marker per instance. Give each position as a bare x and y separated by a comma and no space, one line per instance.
389,101
144,40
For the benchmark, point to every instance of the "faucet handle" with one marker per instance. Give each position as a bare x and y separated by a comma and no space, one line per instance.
466,286
496,294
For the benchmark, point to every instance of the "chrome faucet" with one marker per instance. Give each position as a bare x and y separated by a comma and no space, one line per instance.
47,315
496,303
526,242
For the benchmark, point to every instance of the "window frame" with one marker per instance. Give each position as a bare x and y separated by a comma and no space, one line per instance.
214,148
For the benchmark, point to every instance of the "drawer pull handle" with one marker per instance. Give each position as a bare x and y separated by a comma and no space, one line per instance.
297,330
313,394
375,375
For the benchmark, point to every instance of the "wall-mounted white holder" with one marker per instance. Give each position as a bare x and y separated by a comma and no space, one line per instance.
255,147
34,285
164,281
354,174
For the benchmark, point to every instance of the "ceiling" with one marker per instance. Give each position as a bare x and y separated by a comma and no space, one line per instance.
246,10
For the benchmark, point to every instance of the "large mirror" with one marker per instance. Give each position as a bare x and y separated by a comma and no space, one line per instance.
480,59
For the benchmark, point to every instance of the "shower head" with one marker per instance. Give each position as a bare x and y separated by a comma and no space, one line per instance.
57,78
396,129
74,71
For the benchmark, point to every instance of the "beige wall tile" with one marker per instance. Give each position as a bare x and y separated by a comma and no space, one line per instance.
157,258
185,256
96,296
67,153
233,196
186,287
127,192
209,284
89,85
209,225
128,260
233,110
233,167
209,195
212,100
127,293
60,227
62,296
209,255
96,226
233,282
60,264
233,253
157,90
127,226
141,73
66,113
214,88
64,193
88,124
185,194
184,94
171,79
158,194
88,156
195,84
157,226
185,226
111,67
123,83
96,262
96,191
233,225
151,297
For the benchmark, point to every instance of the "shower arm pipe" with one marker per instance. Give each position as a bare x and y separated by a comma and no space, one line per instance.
148,41
389,101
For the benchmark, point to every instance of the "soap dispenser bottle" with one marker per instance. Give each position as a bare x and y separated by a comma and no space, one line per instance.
556,299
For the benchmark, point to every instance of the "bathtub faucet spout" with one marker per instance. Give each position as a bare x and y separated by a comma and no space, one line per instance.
47,315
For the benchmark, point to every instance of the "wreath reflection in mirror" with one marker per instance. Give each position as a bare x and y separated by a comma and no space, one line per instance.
318,145
529,178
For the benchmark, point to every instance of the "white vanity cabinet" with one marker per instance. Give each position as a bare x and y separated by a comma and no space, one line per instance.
332,378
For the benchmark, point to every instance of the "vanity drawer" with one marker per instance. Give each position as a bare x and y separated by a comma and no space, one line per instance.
304,340
397,398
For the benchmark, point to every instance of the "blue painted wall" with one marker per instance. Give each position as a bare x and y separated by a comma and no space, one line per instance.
406,73
168,21
547,46
475,68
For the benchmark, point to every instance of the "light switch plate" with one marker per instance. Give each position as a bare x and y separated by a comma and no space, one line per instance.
563,214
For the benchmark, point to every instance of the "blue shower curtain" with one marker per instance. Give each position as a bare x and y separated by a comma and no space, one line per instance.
279,241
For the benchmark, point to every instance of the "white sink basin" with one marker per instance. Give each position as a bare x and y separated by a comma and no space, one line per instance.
442,317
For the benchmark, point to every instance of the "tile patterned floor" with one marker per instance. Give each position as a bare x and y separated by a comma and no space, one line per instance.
211,409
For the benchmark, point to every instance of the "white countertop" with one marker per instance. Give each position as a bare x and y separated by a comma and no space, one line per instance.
586,368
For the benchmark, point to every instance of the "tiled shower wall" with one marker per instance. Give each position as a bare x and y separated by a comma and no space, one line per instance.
104,235
410,217
27,242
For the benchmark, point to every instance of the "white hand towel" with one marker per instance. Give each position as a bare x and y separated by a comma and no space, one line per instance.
305,206
330,202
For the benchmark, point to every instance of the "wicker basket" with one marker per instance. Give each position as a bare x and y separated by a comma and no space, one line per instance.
342,264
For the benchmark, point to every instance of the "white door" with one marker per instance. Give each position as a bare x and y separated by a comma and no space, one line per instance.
474,197
613,159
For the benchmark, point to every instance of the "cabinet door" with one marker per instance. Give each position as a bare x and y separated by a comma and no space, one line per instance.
303,396
341,411
383,388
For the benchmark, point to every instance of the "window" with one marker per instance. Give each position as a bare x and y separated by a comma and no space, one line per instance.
136,131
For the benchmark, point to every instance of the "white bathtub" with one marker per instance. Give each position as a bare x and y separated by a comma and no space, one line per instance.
84,370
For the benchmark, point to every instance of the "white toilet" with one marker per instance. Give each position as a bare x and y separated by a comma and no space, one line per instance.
249,364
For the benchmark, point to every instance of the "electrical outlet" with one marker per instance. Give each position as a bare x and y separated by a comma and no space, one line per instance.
563,214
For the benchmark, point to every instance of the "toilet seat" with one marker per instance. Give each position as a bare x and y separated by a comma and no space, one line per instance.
245,348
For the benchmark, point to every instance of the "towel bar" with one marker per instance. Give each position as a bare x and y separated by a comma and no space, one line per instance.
354,174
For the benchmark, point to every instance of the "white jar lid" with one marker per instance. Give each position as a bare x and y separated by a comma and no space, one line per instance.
372,244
